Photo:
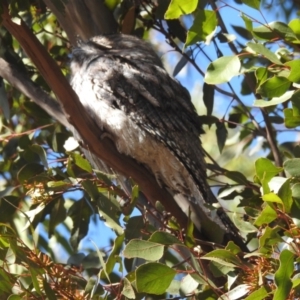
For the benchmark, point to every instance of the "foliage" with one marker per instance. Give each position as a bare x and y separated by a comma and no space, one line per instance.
50,194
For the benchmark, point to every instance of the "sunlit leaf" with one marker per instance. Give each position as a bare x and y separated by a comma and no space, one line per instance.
271,197
222,70
128,290
113,257
188,285
236,293
274,87
295,26
295,66
274,30
265,171
204,24
81,162
178,8
274,101
259,294
290,120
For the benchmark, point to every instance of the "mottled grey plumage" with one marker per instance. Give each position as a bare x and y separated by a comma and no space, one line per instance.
148,114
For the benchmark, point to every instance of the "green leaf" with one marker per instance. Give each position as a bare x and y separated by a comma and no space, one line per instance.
174,288
8,206
110,213
296,103
285,194
4,103
154,278
182,62
111,4
292,166
296,191
265,171
164,238
93,287
283,275
243,32
91,188
236,176
261,74
41,153
236,293
295,26
208,97
144,249
271,197
113,257
81,162
58,214
274,30
269,238
248,22
80,214
178,8
204,24
259,294
189,240
290,120
267,216
274,87
134,227
188,285
15,297
294,67
222,70
49,291
128,290
260,49
58,185
6,282
274,101
252,3
35,273
221,133
233,248
223,257
29,171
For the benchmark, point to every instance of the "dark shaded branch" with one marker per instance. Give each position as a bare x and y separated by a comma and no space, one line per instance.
21,82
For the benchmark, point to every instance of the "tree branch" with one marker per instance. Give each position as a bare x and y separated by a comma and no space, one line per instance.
21,82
